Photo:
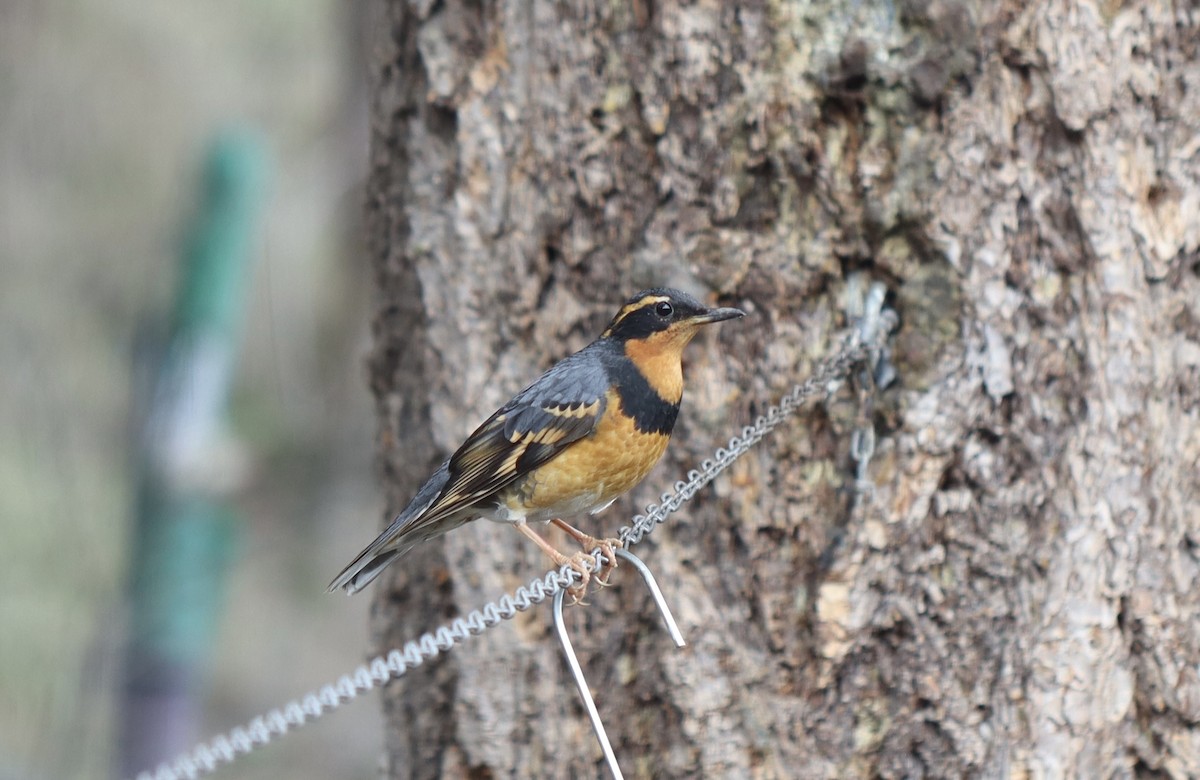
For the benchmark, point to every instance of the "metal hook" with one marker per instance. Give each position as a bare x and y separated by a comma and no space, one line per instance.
577,671
865,303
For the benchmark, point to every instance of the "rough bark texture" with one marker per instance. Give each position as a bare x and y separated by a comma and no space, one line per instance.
1019,595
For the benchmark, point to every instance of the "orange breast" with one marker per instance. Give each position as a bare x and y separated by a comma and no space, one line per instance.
593,471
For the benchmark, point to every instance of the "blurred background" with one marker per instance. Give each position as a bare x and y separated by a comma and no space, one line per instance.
134,136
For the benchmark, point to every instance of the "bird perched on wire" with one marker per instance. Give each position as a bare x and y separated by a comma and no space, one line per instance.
571,443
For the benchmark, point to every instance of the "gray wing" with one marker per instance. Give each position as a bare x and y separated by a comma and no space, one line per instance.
561,407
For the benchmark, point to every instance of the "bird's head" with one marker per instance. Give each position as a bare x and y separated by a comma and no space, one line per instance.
666,317
654,326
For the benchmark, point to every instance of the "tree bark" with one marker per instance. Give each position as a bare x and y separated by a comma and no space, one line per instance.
1018,595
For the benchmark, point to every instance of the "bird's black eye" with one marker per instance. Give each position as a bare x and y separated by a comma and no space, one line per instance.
664,309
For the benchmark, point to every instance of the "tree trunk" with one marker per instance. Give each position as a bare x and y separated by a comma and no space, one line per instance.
1018,595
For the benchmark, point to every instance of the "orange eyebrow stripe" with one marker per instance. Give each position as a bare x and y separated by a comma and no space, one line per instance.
630,308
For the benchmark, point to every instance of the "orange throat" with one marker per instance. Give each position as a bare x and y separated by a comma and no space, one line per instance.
658,358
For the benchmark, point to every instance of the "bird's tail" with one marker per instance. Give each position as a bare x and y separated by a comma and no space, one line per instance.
364,568
404,533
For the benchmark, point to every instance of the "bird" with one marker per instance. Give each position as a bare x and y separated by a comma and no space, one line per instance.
584,433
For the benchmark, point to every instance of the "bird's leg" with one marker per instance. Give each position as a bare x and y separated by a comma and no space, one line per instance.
589,543
575,561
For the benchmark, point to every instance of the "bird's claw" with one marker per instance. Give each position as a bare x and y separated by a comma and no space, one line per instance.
579,590
608,547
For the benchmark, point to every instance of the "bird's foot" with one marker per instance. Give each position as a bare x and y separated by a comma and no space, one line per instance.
579,562
608,547
588,542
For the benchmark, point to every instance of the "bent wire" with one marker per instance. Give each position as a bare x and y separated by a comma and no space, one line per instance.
577,671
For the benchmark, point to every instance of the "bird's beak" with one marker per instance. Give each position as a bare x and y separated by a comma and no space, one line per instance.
716,315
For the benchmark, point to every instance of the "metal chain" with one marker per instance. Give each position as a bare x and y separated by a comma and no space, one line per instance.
828,377
207,757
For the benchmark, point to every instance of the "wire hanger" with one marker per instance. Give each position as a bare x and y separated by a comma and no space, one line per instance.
577,671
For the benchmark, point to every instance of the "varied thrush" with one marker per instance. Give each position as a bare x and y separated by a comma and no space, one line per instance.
583,434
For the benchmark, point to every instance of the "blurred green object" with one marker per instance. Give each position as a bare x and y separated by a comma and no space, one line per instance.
184,532
217,255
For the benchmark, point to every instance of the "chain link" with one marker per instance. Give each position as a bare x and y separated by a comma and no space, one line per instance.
207,757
